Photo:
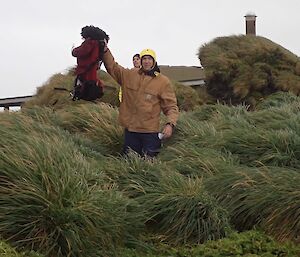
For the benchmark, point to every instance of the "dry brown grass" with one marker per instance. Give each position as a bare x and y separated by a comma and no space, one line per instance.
247,68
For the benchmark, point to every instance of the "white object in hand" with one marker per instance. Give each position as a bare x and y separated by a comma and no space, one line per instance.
160,136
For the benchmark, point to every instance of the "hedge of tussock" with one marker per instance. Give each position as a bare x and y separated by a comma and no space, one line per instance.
180,210
248,68
226,168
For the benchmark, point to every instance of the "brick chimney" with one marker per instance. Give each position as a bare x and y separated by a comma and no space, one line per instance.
250,24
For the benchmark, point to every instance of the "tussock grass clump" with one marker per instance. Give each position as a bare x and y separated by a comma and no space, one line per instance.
181,211
46,121
272,119
48,200
202,134
207,112
277,99
277,118
94,125
257,146
48,96
43,115
175,207
265,197
133,174
193,161
187,97
265,137
98,122
246,68
202,125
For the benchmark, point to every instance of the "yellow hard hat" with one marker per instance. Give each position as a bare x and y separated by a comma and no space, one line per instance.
150,52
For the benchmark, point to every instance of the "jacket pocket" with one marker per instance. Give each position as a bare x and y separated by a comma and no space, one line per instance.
149,101
150,97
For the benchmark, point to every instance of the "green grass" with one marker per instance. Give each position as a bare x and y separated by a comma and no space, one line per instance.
225,167
181,211
267,197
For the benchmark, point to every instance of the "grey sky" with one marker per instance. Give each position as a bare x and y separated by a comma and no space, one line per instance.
37,35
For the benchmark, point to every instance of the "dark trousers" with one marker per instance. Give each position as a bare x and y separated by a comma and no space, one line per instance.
145,144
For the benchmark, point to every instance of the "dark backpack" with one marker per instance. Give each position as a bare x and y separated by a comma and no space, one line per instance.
86,90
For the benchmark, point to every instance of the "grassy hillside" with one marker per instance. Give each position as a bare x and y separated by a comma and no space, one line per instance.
66,191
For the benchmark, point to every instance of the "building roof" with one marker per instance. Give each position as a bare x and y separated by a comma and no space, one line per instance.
182,73
14,101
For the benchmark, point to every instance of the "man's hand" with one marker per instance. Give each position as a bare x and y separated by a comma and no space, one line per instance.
167,131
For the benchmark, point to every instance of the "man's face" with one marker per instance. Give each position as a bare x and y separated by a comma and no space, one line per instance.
136,62
147,62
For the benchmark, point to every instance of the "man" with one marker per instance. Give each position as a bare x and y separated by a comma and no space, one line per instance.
136,60
145,93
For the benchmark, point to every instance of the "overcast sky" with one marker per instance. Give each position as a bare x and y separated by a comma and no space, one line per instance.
37,35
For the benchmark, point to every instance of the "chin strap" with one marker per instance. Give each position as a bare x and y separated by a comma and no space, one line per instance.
154,72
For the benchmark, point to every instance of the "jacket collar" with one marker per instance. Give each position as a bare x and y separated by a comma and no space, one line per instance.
154,72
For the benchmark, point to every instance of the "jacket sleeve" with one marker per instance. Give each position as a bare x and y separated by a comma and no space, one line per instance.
113,68
83,50
169,103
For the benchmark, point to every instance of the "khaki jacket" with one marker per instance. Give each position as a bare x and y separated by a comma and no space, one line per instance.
143,97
